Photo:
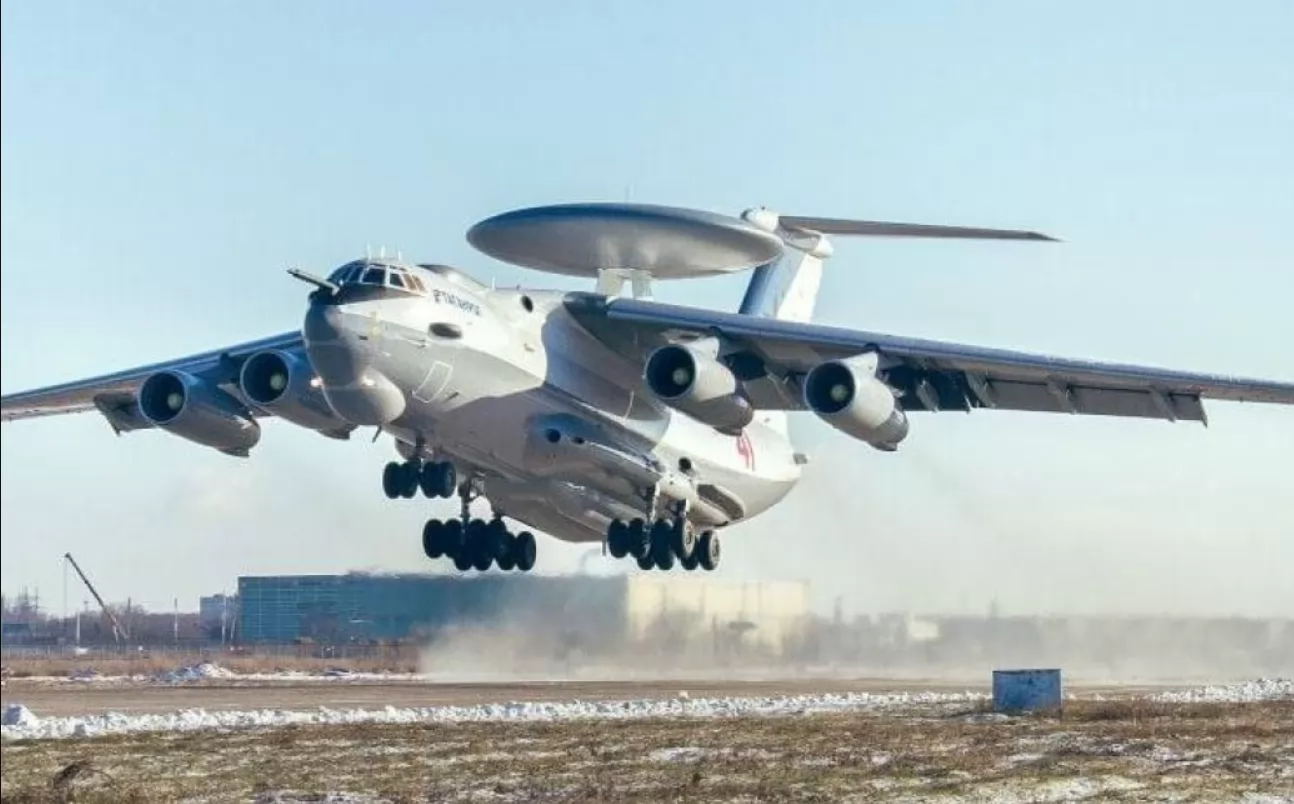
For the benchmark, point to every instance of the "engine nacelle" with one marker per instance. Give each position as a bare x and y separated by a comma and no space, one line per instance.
194,409
281,383
847,395
698,385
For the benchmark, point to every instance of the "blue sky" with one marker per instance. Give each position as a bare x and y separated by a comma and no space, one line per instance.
163,163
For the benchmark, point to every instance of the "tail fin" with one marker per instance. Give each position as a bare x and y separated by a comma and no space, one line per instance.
787,290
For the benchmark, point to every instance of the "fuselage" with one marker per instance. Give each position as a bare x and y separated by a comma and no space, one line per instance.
510,387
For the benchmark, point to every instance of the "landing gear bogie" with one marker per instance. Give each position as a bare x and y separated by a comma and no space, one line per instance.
663,544
479,545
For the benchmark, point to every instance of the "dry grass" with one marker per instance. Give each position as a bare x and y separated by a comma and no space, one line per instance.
1126,751
150,664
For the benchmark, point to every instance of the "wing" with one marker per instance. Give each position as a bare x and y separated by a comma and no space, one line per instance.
212,380
772,357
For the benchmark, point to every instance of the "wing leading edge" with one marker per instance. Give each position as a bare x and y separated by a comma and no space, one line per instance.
926,375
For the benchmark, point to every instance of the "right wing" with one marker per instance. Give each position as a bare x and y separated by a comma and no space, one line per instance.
216,412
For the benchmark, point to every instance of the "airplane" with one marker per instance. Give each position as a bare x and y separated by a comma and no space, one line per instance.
600,415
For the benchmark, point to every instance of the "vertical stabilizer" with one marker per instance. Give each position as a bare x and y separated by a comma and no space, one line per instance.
788,290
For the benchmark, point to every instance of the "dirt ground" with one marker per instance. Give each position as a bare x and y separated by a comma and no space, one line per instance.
1128,750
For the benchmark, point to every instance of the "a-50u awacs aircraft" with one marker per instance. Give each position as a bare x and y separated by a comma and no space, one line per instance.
600,416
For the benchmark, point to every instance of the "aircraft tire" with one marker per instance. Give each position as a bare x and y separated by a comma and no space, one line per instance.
507,560
462,561
438,479
646,562
617,536
409,473
524,551
683,539
638,543
708,551
432,541
391,477
496,539
661,536
691,562
452,541
664,557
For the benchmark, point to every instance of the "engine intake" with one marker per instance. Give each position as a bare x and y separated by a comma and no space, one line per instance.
847,395
700,386
194,409
280,383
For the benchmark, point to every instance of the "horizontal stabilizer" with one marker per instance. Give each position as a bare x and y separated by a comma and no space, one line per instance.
846,226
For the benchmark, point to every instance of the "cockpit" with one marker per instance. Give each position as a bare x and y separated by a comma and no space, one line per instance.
378,274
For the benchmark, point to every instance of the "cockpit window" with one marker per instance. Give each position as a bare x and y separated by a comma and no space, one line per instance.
378,274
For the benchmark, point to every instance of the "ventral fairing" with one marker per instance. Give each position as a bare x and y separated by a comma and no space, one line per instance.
602,416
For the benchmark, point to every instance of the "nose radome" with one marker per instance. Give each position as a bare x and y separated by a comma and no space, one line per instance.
324,323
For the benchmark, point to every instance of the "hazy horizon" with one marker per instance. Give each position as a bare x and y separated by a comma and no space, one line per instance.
162,166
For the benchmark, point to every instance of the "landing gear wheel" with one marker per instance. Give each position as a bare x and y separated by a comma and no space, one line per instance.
618,538
707,550
452,541
646,562
638,539
507,560
409,474
478,545
438,479
496,539
664,558
690,563
524,550
683,539
432,541
462,562
391,477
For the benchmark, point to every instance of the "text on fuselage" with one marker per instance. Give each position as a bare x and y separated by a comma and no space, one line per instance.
445,297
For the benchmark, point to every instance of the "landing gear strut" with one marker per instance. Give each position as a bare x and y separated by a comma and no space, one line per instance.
476,543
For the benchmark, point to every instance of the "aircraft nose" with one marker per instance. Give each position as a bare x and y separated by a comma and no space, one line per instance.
334,341
325,323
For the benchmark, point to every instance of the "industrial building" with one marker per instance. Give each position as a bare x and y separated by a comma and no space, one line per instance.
608,609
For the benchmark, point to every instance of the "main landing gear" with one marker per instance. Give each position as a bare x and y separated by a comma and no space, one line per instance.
665,541
477,544
435,478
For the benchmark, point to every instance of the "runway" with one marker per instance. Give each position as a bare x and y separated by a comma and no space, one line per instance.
65,698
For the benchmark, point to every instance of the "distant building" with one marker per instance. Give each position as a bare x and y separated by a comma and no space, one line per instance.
362,607
215,609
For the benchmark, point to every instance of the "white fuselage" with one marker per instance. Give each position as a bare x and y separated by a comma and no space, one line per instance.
511,388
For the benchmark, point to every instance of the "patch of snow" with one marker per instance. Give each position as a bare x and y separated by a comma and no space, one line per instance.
197,672
1263,689
542,711
686,753
19,716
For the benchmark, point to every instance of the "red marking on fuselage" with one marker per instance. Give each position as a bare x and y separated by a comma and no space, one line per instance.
746,450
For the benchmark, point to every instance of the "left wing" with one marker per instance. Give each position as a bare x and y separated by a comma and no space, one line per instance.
772,358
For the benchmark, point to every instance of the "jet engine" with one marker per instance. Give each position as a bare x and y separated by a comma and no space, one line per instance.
695,383
847,395
194,409
282,383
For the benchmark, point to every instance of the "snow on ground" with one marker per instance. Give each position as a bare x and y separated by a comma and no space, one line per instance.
1263,689
29,725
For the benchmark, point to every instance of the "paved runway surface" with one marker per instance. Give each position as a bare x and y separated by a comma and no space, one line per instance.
63,698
